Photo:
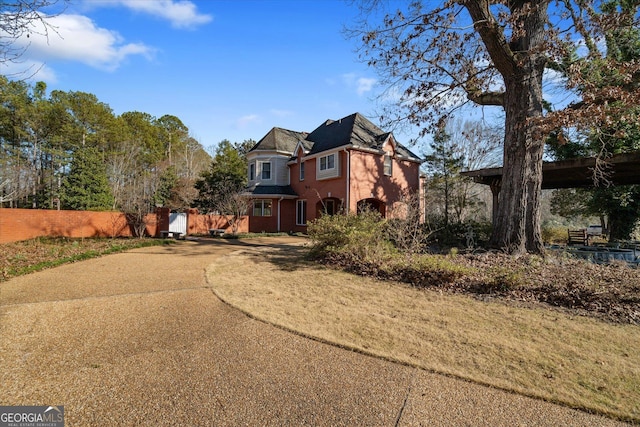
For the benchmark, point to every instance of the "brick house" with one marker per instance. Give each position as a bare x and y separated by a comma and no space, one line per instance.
343,165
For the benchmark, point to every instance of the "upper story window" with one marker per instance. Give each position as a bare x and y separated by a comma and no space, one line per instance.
265,174
328,166
252,171
388,164
301,171
328,162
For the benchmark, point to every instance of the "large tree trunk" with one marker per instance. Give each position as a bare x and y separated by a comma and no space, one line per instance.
521,62
516,228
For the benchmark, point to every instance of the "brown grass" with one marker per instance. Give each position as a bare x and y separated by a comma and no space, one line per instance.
577,361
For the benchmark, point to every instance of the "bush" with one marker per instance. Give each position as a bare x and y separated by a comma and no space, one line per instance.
409,236
359,236
359,244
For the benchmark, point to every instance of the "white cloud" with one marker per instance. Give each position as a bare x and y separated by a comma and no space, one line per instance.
77,38
180,13
581,46
28,70
365,85
247,120
361,85
555,90
349,79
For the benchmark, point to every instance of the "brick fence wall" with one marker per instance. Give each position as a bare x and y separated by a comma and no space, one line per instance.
201,224
23,224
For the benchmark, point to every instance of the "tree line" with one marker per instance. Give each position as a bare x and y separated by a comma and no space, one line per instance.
68,150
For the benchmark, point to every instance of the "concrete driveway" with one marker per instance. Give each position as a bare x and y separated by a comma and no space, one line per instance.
138,338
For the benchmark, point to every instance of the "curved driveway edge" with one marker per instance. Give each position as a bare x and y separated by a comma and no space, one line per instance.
137,338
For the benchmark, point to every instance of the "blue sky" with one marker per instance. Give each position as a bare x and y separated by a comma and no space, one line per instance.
228,69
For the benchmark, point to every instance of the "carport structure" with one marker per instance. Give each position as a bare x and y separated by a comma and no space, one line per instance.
620,169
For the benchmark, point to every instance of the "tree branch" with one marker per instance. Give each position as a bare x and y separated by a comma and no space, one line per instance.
492,35
486,98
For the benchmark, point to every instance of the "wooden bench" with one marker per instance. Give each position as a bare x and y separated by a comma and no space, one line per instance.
216,232
578,237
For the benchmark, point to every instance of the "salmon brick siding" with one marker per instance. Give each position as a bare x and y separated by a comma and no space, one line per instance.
369,181
346,162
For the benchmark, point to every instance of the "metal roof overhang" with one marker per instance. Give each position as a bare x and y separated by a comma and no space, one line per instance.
621,169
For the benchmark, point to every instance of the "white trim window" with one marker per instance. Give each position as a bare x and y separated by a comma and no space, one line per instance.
301,171
265,171
252,171
388,164
328,166
301,212
328,162
262,207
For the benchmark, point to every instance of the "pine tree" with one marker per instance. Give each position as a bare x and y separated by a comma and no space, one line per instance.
226,177
444,164
87,187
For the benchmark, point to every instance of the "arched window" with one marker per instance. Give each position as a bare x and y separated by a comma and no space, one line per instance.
329,206
372,204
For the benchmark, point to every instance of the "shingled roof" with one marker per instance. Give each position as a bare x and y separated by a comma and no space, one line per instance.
354,130
271,190
279,139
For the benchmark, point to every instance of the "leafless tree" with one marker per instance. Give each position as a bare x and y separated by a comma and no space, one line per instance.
406,227
6,196
20,19
480,146
234,207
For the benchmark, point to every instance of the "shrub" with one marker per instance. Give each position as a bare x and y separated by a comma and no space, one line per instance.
503,279
405,227
358,236
358,244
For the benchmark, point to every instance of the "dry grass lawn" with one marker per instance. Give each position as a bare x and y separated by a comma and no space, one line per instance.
545,353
